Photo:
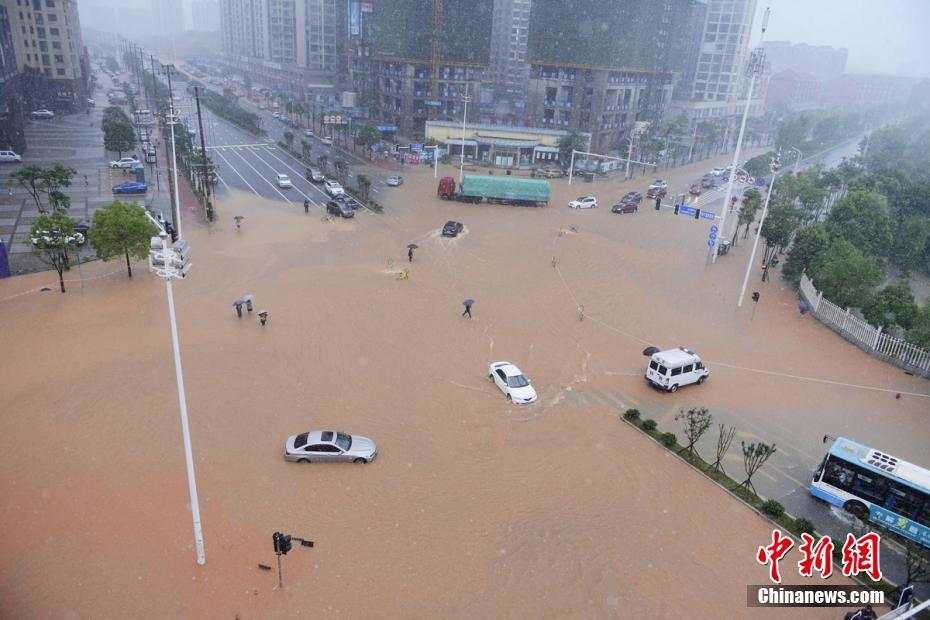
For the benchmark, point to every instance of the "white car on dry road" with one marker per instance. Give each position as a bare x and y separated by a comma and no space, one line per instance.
583,202
511,382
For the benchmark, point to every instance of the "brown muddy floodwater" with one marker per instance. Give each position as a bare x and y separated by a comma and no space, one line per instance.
475,508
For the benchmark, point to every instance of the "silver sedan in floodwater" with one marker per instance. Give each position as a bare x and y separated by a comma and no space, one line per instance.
328,447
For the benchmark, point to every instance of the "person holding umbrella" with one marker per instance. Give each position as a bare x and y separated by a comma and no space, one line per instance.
238,219
410,249
468,304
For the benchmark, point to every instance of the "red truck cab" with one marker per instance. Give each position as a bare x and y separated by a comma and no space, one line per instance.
446,188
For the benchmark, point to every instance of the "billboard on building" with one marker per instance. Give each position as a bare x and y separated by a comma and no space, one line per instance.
355,18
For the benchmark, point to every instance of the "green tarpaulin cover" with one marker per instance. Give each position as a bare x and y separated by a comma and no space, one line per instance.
505,187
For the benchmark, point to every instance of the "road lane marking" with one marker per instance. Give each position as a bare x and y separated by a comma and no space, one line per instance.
273,186
240,175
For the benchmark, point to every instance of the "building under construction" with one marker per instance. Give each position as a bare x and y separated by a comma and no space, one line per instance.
602,65
411,61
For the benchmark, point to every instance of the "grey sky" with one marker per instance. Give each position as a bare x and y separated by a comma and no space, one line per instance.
883,36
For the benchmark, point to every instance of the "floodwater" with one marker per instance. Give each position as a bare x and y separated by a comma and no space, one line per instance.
475,508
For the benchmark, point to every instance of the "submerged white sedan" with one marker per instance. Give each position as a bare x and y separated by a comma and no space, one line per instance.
329,447
511,381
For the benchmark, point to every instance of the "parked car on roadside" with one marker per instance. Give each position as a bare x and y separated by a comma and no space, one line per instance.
547,172
327,141
308,133
314,175
42,114
43,238
9,157
333,188
328,447
130,187
125,162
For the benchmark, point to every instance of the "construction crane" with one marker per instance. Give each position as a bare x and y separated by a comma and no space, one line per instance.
435,55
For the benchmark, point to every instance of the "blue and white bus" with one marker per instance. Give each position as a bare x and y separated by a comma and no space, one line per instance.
876,486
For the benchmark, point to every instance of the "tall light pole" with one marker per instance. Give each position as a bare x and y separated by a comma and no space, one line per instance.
465,100
765,209
754,69
172,120
172,263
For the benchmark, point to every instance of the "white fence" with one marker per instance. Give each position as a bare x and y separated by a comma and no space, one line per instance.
884,346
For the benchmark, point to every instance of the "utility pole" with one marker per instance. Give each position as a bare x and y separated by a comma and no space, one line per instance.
154,81
205,176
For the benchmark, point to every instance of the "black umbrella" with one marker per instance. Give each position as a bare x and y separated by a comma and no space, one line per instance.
650,351
468,302
412,246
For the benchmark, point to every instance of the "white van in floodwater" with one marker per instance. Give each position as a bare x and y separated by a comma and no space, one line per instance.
671,369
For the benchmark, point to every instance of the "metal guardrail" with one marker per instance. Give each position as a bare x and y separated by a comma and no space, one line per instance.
871,339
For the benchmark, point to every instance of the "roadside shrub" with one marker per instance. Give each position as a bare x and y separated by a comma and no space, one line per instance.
804,526
772,508
631,414
649,425
668,439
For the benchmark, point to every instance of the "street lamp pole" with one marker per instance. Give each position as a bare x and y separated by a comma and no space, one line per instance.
465,99
172,119
765,209
756,64
174,263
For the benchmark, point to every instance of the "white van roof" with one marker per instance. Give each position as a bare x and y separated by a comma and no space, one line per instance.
672,358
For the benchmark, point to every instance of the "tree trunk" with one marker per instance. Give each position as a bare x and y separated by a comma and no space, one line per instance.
61,279
128,265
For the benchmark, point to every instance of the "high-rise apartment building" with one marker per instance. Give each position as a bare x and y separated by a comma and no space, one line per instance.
509,32
49,51
715,81
11,95
602,65
205,15
291,46
393,68
821,61
168,17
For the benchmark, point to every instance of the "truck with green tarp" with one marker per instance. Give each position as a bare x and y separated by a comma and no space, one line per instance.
496,190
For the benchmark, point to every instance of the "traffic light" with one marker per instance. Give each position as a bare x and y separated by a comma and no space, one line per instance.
171,231
676,208
755,296
276,539
658,202
697,214
285,543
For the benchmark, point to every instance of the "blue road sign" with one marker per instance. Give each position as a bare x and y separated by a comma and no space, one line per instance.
760,182
686,210
432,102
416,148
714,229
713,236
710,243
708,215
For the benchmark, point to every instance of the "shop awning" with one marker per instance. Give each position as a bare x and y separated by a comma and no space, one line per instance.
546,149
459,141
515,144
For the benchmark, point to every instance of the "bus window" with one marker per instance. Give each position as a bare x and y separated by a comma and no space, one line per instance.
870,487
839,475
923,517
903,500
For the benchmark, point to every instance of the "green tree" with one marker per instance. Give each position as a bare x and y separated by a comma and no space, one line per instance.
289,138
862,218
758,166
121,229
322,161
341,170
54,235
119,137
845,275
792,133
752,201
893,305
305,148
364,186
780,222
910,243
31,178
368,136
919,334
809,244
572,141
55,178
